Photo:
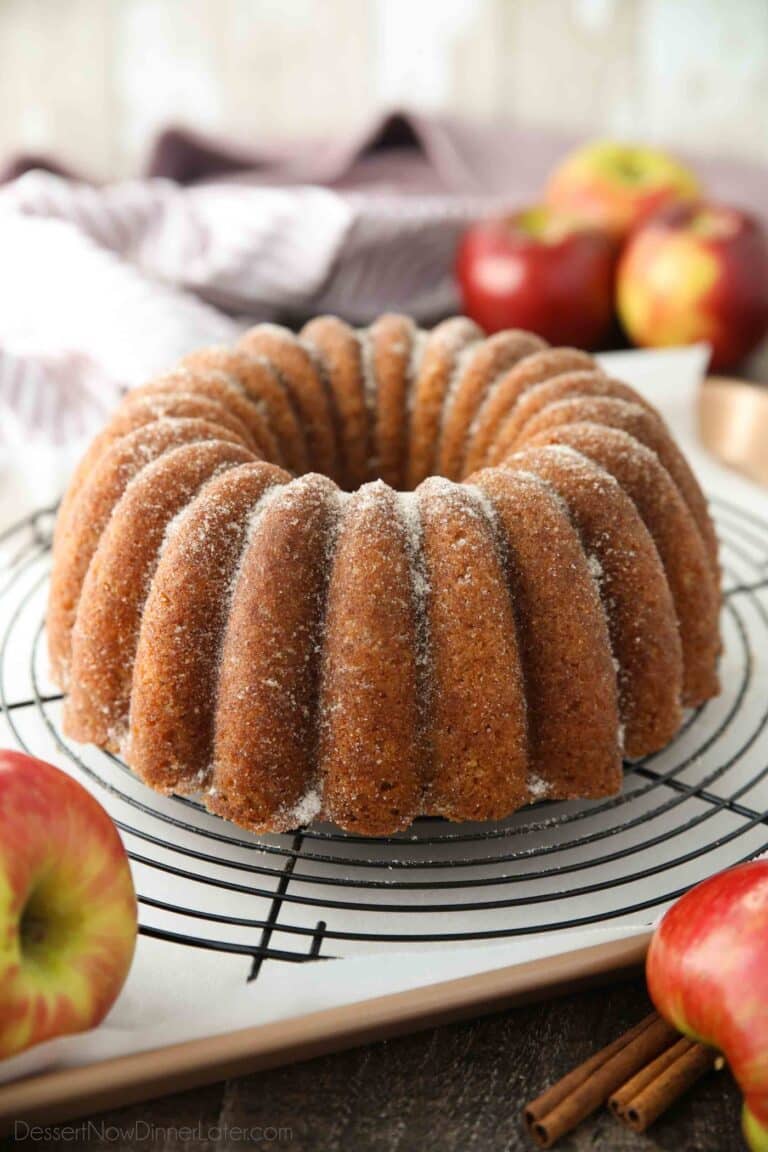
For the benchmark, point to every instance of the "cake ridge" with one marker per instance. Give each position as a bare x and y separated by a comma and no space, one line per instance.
486,361
116,586
288,356
172,723
263,388
266,739
643,626
488,425
391,339
562,628
88,506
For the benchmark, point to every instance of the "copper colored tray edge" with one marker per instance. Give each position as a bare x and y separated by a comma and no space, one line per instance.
733,425
66,1094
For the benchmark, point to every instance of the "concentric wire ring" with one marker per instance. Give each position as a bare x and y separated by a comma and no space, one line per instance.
685,812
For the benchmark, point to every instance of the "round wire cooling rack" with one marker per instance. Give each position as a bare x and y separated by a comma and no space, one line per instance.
684,813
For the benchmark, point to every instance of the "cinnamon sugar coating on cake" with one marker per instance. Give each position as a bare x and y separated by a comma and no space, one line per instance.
371,757
176,674
645,640
395,346
502,397
265,761
568,671
677,538
568,385
337,351
84,517
106,632
299,372
443,358
482,367
477,742
262,383
227,394
371,575
645,426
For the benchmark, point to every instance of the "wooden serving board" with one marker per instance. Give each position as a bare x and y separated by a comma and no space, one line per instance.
69,1093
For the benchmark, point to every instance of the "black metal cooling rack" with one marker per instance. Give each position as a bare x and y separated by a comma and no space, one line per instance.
684,813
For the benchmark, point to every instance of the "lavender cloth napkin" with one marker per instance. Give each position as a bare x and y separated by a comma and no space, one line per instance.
403,152
104,286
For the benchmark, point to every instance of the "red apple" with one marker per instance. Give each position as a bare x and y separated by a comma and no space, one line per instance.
541,271
614,186
697,272
707,974
68,916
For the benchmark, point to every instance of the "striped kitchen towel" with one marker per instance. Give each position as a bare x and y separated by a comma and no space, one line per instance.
102,287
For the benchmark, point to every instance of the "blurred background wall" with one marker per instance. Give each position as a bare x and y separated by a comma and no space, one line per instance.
91,80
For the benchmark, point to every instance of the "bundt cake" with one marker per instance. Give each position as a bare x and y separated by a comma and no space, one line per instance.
372,575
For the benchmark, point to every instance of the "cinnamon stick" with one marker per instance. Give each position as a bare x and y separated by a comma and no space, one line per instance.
627,1092
654,1089
582,1091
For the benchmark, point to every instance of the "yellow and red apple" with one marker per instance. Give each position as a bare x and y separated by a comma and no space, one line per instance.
615,186
707,974
540,270
696,272
68,917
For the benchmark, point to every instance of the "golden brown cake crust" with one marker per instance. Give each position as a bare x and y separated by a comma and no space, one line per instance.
290,651
677,539
303,378
440,361
503,396
570,385
647,427
478,746
176,672
641,617
481,368
262,384
106,632
337,349
86,515
265,773
228,394
393,340
138,411
570,681
371,746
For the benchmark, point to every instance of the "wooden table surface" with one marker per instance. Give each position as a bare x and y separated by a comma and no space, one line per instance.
457,1087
